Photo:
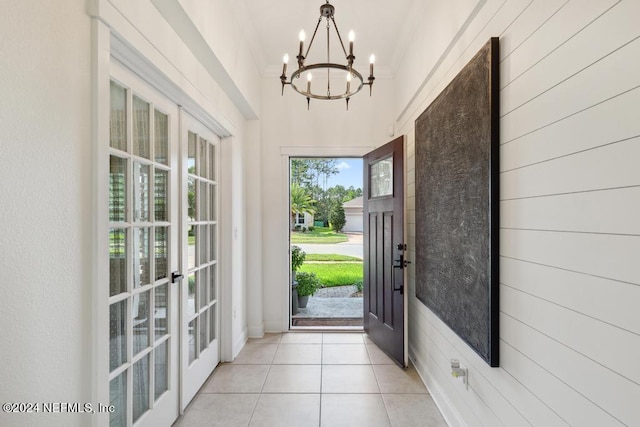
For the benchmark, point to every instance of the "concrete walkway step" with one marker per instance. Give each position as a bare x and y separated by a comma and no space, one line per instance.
345,308
336,292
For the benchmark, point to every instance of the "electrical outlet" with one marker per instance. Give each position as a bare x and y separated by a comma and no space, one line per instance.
458,371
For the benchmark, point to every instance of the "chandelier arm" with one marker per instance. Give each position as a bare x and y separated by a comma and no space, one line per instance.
313,37
339,37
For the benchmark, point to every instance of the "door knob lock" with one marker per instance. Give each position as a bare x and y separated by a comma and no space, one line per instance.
175,276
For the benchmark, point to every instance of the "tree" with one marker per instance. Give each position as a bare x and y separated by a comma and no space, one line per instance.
301,202
301,173
352,193
313,174
337,219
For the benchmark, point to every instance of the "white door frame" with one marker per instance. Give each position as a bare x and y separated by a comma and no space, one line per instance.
109,47
194,375
286,153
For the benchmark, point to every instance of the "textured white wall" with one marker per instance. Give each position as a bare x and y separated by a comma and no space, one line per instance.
254,262
45,176
46,197
570,281
221,24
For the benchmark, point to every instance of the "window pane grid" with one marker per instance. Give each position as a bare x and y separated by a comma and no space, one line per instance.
161,137
139,247
118,335
381,178
202,243
141,387
192,331
161,370
140,316
118,117
141,192
191,295
117,189
117,261
161,311
117,399
204,342
141,128
213,325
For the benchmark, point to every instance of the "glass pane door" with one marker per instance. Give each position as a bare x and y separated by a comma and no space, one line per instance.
200,322
143,234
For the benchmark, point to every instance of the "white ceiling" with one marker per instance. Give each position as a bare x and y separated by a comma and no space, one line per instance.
379,26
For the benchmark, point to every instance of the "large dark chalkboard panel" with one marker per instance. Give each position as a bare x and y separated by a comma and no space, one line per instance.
457,204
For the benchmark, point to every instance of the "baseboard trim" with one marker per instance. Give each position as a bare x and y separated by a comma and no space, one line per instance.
256,331
239,343
448,411
273,326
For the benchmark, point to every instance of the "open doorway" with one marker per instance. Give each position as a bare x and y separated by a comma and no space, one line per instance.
326,237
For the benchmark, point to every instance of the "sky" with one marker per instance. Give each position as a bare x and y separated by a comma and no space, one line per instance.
350,173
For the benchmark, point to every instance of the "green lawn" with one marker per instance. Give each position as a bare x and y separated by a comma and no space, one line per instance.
335,273
330,257
318,235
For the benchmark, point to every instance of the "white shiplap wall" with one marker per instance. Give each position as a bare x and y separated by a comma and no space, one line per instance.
570,218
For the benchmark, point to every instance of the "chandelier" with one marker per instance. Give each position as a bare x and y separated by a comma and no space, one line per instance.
353,81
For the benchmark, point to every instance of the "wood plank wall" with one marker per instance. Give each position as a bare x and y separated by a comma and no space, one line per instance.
570,218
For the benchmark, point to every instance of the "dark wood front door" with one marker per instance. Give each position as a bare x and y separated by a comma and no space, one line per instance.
384,249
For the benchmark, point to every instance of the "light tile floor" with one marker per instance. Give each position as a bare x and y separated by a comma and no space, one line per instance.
312,379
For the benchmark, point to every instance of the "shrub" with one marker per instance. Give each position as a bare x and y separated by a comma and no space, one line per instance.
337,219
308,283
311,228
192,284
297,257
359,285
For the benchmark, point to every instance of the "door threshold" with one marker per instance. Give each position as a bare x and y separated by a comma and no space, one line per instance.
327,321
345,329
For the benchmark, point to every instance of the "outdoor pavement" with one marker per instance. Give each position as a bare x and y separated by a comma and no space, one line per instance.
342,308
334,302
353,247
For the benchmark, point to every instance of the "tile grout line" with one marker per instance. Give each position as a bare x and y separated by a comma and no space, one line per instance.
260,393
386,411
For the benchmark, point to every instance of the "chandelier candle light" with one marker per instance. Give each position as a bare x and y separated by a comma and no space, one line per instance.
327,11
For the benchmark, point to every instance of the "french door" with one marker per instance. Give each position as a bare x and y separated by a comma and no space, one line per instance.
385,316
200,288
144,225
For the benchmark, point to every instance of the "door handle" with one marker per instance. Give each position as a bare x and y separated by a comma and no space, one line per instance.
401,263
175,276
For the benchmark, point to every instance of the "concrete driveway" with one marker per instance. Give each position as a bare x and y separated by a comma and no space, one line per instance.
353,247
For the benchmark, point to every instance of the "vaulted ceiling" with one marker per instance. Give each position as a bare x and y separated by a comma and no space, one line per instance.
380,28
